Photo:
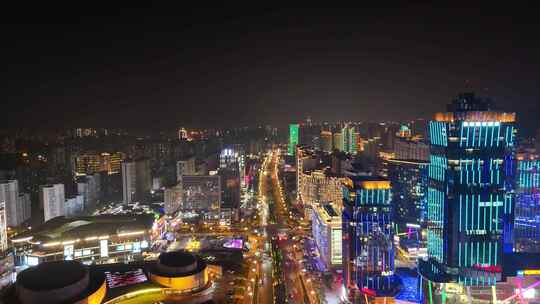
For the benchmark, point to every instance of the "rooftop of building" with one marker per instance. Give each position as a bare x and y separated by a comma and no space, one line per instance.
63,229
368,182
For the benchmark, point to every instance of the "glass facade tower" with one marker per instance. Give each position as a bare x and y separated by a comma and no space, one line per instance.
368,247
470,195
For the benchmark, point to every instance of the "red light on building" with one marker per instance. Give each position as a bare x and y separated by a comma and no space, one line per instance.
488,268
369,292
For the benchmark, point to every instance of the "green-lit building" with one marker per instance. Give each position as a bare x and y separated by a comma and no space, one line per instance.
294,134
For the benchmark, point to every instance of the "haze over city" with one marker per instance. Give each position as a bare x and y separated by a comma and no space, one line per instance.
267,155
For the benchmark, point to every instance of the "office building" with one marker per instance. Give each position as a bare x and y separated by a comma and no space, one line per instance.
136,180
326,229
294,136
53,198
233,159
185,167
173,198
409,185
470,196
326,141
368,238
527,212
338,141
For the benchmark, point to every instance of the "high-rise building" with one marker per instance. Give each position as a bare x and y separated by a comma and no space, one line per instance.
89,187
326,141
3,228
136,179
349,139
24,208
470,196
368,237
294,134
338,141
17,205
9,192
409,184
53,197
527,213
185,167
129,179
326,229
173,198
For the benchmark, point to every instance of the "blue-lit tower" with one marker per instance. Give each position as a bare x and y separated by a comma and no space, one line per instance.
527,219
470,196
368,247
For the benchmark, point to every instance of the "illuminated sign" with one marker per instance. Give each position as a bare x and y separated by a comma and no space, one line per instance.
529,272
119,279
104,248
488,268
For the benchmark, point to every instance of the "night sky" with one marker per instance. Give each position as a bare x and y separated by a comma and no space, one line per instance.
162,67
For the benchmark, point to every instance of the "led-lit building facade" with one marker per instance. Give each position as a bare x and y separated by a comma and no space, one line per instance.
326,229
368,247
349,139
527,213
470,196
294,134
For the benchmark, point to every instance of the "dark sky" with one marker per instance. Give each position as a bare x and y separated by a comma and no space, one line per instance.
169,66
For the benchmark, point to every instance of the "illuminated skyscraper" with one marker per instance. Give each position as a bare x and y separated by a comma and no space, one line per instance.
349,139
294,131
326,141
338,141
368,237
527,219
470,199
